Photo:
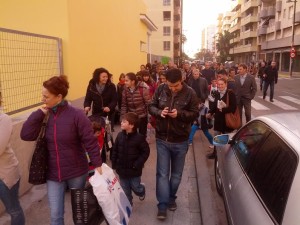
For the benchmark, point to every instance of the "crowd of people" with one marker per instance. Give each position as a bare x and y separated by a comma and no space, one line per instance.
176,102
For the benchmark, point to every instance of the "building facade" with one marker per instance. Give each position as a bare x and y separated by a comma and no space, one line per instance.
166,41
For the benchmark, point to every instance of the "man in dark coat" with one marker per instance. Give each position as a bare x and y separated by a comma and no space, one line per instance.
270,77
199,84
245,90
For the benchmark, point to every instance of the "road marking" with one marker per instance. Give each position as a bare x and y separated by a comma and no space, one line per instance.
289,98
258,106
281,104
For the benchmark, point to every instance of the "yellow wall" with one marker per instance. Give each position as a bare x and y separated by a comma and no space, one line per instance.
94,34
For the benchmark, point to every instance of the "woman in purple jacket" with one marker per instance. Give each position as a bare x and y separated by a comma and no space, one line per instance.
69,135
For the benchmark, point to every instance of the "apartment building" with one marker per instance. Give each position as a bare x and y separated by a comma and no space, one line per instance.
276,31
244,23
208,37
166,41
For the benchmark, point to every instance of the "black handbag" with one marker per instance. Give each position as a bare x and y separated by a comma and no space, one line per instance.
39,162
85,207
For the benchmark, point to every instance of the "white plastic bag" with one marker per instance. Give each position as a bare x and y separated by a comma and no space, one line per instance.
111,197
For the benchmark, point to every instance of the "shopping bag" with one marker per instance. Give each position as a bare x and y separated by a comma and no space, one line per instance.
111,197
85,207
39,162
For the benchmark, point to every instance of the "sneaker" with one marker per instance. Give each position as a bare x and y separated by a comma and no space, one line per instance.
172,206
162,214
211,146
144,194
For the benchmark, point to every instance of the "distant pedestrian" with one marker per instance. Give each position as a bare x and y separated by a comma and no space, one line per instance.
261,73
270,79
175,107
9,173
130,152
208,73
245,90
199,85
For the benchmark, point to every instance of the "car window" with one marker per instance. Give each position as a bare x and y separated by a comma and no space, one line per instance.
272,172
247,141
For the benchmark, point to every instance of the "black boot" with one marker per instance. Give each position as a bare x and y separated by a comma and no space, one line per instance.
212,155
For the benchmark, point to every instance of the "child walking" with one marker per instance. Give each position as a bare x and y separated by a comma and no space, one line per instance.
129,154
202,123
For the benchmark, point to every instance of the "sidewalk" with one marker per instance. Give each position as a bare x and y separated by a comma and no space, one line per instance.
35,203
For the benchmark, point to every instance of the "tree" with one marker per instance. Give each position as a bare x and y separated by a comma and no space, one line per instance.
204,54
223,45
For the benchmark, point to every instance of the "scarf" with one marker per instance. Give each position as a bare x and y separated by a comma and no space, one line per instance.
54,108
222,93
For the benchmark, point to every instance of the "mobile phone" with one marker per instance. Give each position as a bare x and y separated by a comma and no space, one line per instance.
169,110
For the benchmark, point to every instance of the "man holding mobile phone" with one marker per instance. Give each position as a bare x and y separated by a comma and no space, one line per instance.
175,107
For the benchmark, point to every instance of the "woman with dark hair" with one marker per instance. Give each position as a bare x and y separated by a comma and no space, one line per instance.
120,88
9,173
101,94
149,81
135,98
69,135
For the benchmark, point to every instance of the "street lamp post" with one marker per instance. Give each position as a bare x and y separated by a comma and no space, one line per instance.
293,34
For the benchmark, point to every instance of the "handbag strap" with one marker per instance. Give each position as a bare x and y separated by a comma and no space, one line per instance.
227,99
44,124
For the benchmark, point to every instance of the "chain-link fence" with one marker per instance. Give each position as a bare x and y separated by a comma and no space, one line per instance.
26,60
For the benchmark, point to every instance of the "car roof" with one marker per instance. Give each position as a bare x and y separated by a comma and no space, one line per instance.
287,125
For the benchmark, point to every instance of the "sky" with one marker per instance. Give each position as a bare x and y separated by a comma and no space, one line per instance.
198,14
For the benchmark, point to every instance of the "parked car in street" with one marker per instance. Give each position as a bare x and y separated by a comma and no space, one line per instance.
257,171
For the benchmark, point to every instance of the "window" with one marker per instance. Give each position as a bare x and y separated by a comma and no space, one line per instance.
167,45
284,13
176,31
177,17
167,31
166,2
247,141
167,15
290,12
177,3
272,174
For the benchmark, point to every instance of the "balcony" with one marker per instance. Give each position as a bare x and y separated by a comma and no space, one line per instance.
243,49
237,14
271,28
269,1
277,25
249,19
226,22
235,40
234,28
248,5
267,12
262,30
278,6
248,34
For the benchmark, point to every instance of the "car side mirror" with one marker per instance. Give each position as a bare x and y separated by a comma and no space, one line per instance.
221,140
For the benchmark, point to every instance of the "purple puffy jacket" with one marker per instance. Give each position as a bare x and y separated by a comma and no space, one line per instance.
69,135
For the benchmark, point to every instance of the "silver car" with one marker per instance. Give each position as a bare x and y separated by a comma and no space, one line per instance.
257,171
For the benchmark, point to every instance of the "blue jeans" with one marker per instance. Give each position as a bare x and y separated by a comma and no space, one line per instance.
169,168
56,197
10,199
132,184
205,132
